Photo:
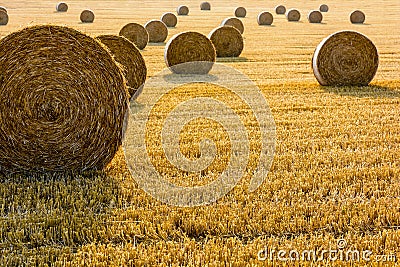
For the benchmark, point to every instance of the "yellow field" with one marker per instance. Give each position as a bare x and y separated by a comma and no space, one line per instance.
335,174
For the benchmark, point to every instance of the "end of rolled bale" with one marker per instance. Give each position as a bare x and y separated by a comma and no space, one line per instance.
157,31
227,40
234,22
135,33
323,8
62,7
182,10
169,19
87,16
280,10
205,6
314,16
2,8
293,15
265,18
189,53
357,17
240,12
3,18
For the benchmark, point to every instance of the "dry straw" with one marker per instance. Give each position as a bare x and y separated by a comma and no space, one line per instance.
2,8
189,47
293,15
265,18
87,16
314,16
3,18
135,33
234,22
157,30
205,6
182,10
323,8
357,17
280,10
63,102
127,54
169,19
62,7
227,40
345,58
240,12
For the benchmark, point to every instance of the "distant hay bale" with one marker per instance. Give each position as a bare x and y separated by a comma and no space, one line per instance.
234,22
323,8
293,15
314,16
280,10
157,30
169,19
2,8
227,40
345,58
357,17
205,6
182,10
240,12
265,18
135,33
3,18
192,48
128,55
63,102
87,16
62,7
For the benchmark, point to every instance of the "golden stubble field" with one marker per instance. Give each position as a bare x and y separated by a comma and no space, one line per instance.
335,173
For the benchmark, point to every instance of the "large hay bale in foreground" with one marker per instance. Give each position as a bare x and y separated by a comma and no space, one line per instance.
323,8
169,19
63,102
192,48
182,10
205,6
2,8
314,16
135,33
293,15
62,7
240,12
3,18
345,58
157,30
280,10
357,17
265,18
227,40
234,22
128,55
87,16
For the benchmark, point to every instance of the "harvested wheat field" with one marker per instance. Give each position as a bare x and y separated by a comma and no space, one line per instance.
333,187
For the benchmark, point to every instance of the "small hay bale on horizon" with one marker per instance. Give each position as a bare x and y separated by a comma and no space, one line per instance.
169,19
293,15
280,10
240,12
3,18
63,105
127,54
62,7
323,8
205,6
87,16
345,58
265,18
157,30
135,33
2,8
227,40
235,22
189,53
357,17
315,16
182,10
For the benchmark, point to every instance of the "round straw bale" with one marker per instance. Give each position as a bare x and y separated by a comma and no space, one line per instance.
323,8
293,15
192,48
62,7
3,18
126,53
345,58
135,33
169,19
182,10
157,30
87,16
265,18
2,8
227,40
357,16
240,12
234,22
63,103
280,10
205,6
314,16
